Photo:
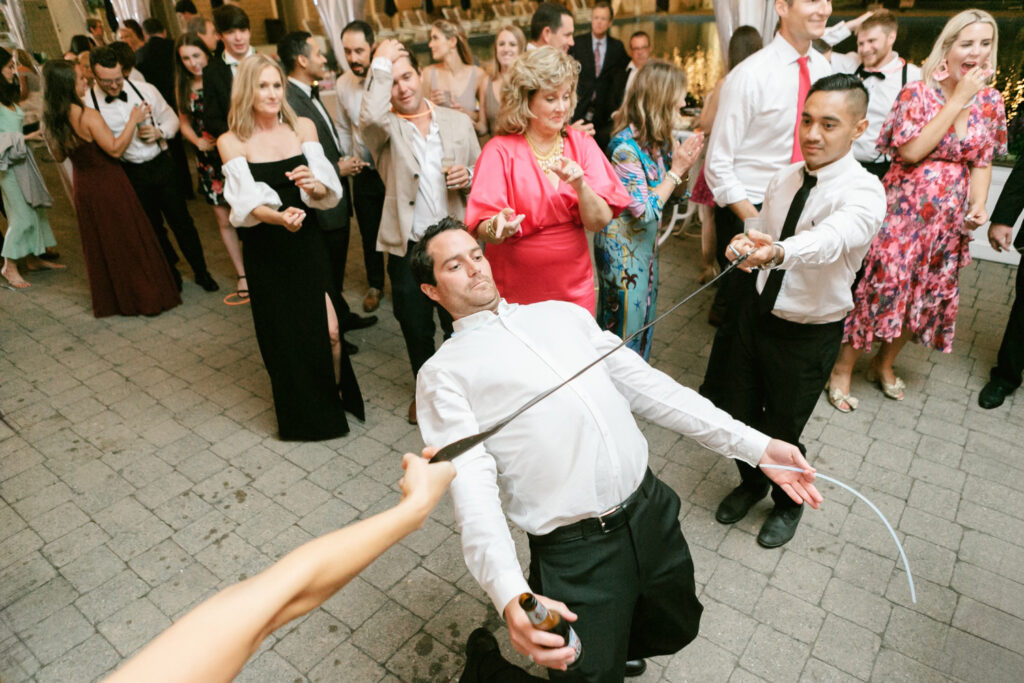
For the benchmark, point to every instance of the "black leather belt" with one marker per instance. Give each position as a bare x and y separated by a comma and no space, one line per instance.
604,523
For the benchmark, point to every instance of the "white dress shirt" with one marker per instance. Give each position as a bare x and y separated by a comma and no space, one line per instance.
882,92
244,194
350,90
574,455
432,193
843,212
116,114
232,62
319,106
752,137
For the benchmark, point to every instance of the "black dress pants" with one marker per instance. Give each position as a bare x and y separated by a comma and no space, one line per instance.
415,312
727,226
775,372
1010,362
157,186
368,200
336,243
632,586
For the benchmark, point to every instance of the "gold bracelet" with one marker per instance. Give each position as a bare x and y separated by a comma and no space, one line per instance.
674,178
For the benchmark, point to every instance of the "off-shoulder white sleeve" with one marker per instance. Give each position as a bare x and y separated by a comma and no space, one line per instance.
325,173
244,194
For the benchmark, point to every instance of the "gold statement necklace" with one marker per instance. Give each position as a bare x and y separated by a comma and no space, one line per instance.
549,159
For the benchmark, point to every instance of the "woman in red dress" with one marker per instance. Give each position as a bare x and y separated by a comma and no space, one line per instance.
539,184
942,133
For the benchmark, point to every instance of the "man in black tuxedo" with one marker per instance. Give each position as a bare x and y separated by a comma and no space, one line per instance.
155,61
1006,375
305,65
603,61
232,24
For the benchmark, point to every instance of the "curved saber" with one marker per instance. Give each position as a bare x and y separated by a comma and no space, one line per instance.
457,448
899,546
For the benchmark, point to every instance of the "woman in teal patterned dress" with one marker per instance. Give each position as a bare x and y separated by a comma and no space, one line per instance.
28,229
651,165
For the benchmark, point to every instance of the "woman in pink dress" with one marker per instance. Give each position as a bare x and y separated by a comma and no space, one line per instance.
942,133
539,184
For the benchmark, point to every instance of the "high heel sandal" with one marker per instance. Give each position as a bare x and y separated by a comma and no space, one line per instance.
893,391
239,296
837,398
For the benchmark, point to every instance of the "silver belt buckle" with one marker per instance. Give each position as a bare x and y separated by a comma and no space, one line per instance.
606,513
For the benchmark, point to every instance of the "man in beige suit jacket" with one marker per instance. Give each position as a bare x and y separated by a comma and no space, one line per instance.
425,155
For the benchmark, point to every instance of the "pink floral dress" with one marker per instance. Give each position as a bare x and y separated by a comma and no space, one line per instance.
911,271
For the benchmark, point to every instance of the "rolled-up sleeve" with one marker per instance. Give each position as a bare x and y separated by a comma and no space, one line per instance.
325,173
244,194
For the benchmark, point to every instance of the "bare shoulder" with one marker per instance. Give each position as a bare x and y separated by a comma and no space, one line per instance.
306,130
229,146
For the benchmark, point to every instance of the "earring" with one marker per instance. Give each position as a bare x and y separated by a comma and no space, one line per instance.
942,73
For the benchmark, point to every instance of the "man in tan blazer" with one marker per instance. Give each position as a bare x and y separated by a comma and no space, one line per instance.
425,155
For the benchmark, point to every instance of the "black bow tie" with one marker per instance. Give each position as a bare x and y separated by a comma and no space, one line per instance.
314,91
123,96
863,74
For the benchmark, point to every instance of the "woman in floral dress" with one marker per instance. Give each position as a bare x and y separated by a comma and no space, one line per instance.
193,57
651,166
942,133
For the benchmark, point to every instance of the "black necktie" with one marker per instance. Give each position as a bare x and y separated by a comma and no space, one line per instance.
123,96
770,293
863,74
314,92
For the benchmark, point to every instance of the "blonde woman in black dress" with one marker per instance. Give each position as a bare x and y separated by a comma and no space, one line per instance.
275,170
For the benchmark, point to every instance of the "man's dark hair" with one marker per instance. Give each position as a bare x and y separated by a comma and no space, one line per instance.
857,94
107,56
92,23
80,43
420,262
183,6
360,26
134,27
290,47
637,34
411,56
230,17
607,5
548,15
153,26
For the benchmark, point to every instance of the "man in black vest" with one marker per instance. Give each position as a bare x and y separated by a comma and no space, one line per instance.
304,63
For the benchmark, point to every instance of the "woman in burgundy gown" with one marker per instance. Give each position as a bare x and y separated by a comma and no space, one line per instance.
128,274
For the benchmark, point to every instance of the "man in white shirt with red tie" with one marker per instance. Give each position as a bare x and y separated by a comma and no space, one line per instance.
883,71
754,133
816,224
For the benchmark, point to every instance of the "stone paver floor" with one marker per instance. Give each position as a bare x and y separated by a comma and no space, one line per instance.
140,473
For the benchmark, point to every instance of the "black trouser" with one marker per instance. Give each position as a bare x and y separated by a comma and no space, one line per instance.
877,168
156,184
631,587
1010,361
415,312
176,148
336,242
776,371
727,226
368,201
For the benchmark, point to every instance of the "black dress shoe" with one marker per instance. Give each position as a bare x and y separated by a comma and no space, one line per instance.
479,647
349,348
737,504
635,667
780,526
357,322
994,393
206,281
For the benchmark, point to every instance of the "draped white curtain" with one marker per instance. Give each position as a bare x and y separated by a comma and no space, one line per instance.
14,15
131,9
731,14
334,15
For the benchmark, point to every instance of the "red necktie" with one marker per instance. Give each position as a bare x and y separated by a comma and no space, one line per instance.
805,87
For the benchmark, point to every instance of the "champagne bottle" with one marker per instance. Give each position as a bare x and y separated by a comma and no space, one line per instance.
549,620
